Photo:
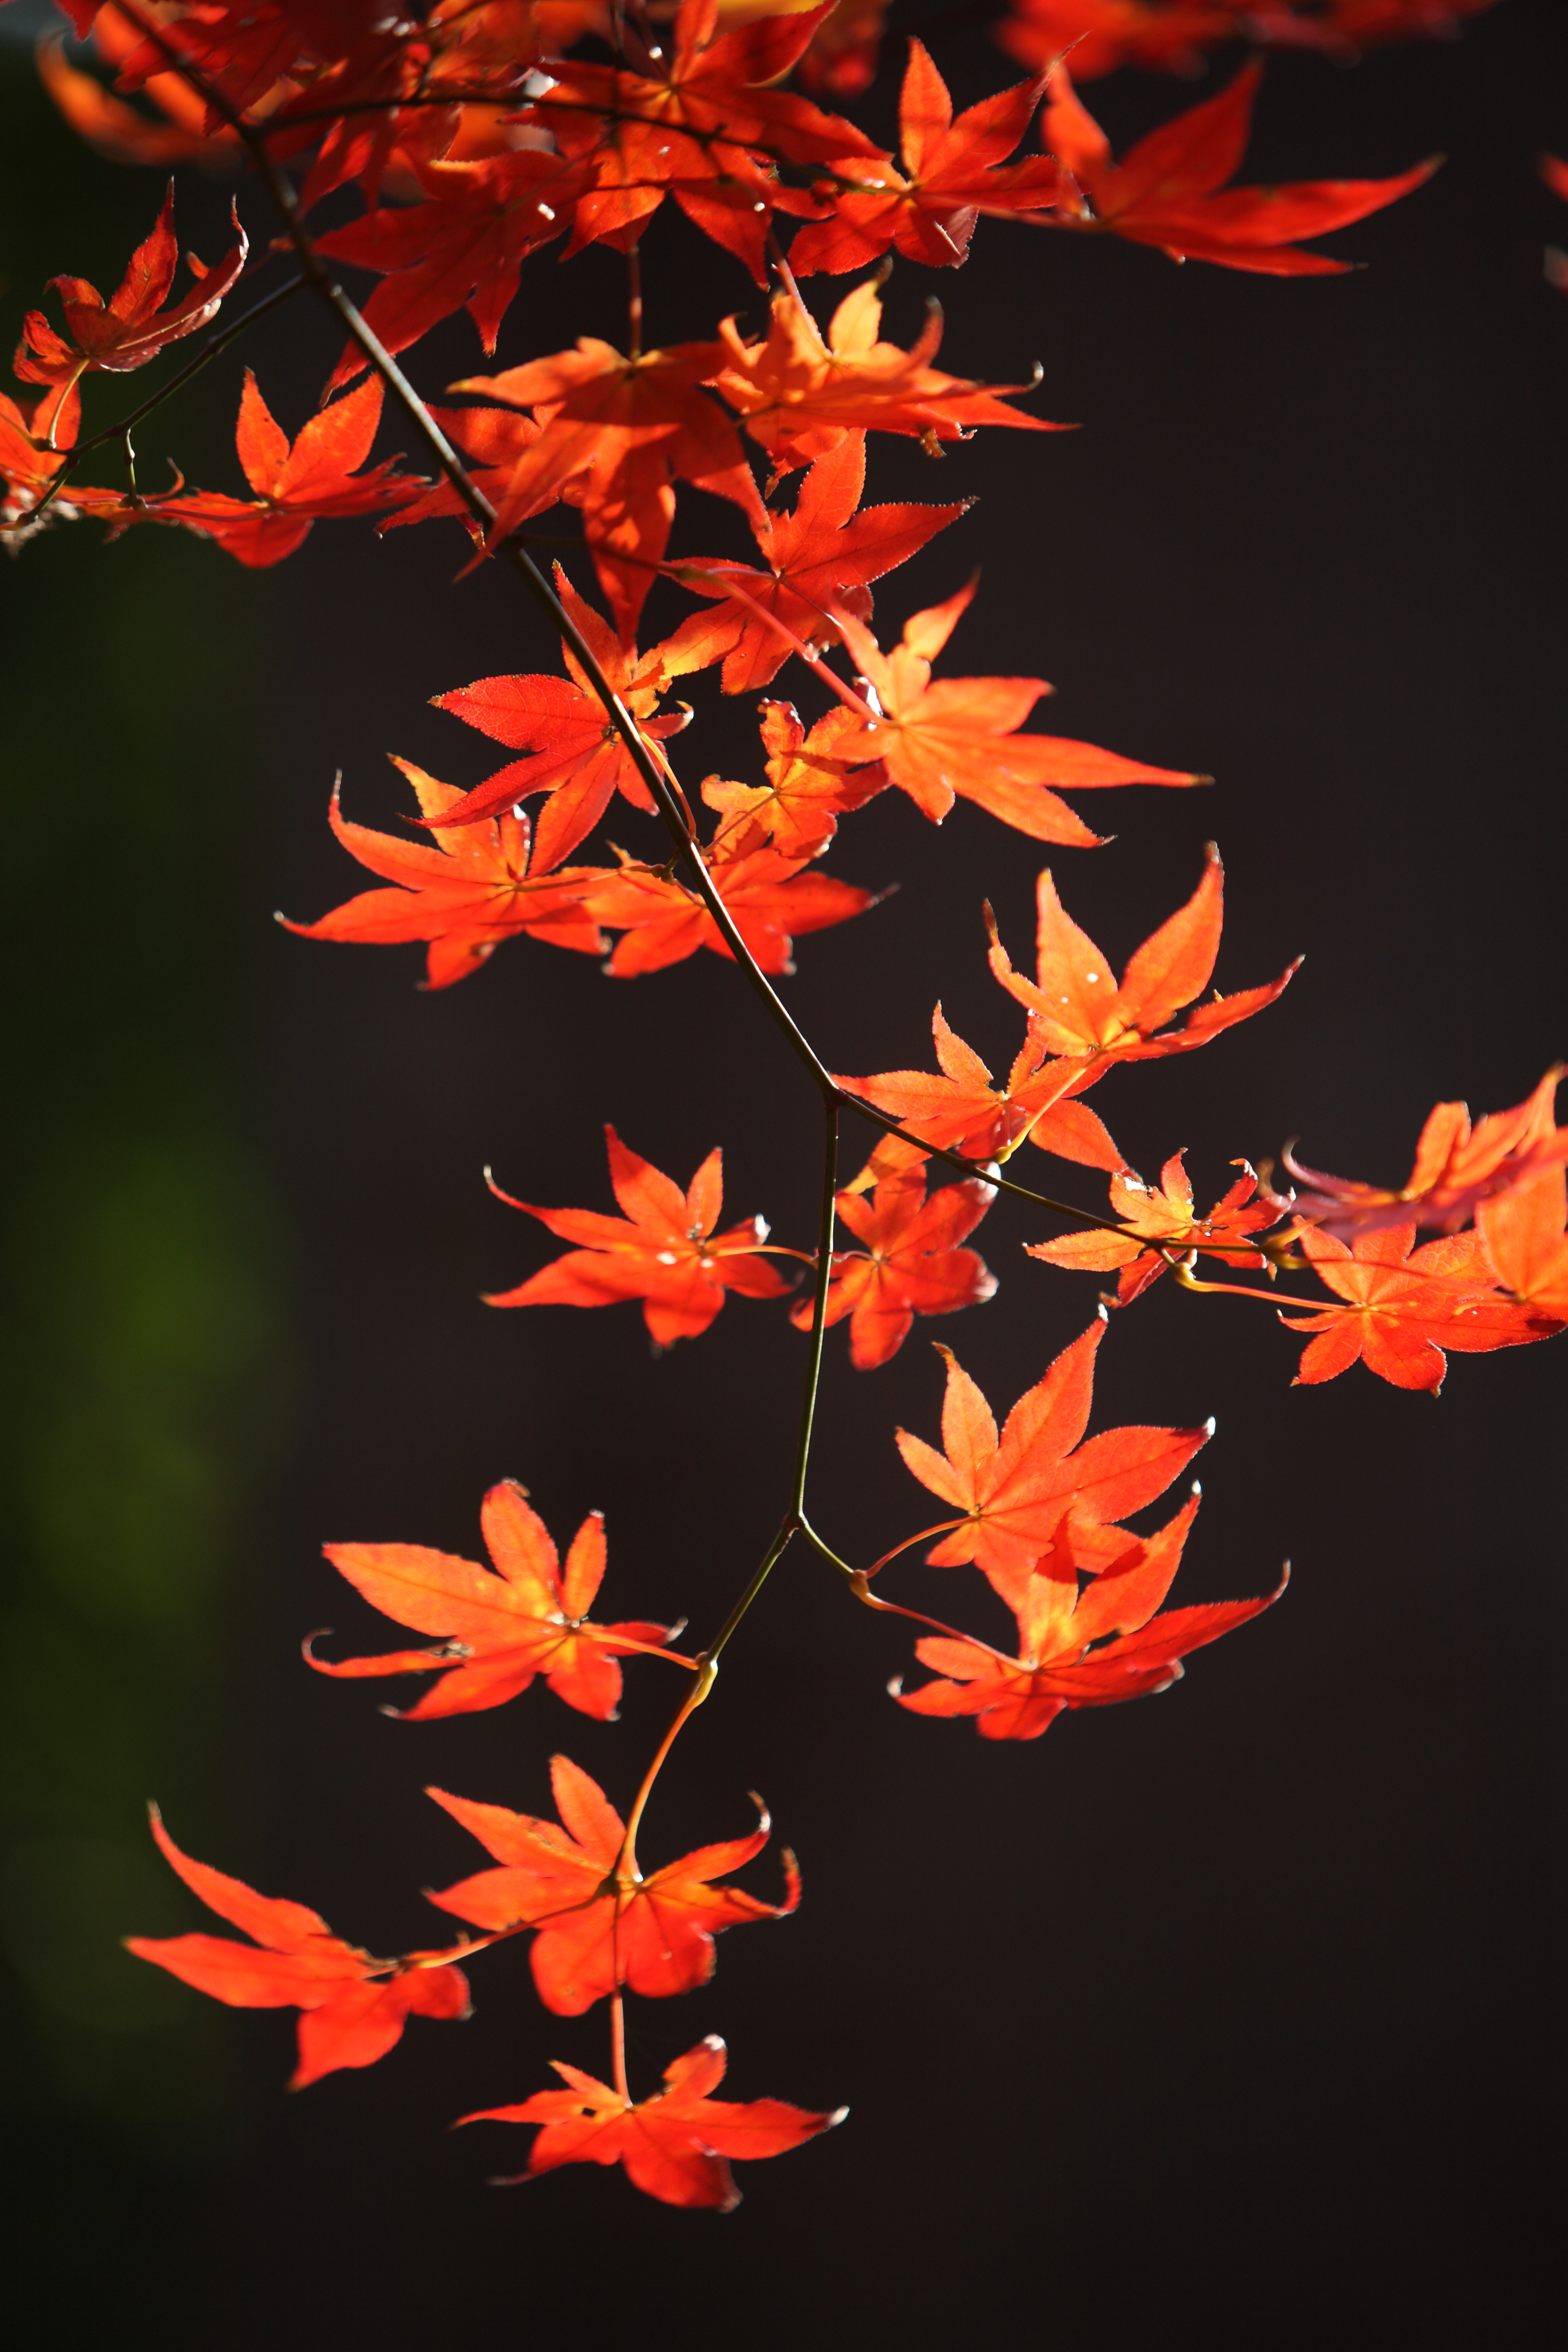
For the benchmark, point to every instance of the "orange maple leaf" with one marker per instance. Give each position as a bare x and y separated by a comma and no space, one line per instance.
663,1250
1076,1008
579,757
1164,192
952,173
959,736
772,901
1456,1168
809,787
599,1924
1523,1232
799,395
1014,1494
132,327
675,2145
1056,1668
352,2007
297,483
911,1264
1403,1306
499,1632
464,891
1161,1227
819,559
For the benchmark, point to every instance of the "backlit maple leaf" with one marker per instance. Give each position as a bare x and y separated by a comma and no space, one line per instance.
799,395
772,901
952,173
1056,1668
577,755
809,787
1014,1494
1077,1008
352,2007
675,2146
1524,1232
1101,34
498,1630
622,431
118,130
297,483
663,1250
1162,1227
1403,1306
132,327
492,439
599,1924
1456,1168
818,560
959,737
911,1264
1163,194
34,445
463,890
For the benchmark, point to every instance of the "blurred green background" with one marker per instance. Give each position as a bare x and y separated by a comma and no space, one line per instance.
144,1357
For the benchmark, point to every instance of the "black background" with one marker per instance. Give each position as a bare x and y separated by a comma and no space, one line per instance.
1224,2017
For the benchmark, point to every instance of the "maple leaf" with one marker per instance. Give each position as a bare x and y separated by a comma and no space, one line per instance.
352,2007
119,132
1014,1494
462,248
622,431
1524,1232
962,1109
772,901
530,1618
958,737
296,483
464,891
952,173
842,59
675,2145
1456,1168
818,560
578,758
599,1924
1076,1009
493,439
1162,1227
799,395
132,327
1020,1698
1403,1306
663,1250
912,1263
1163,194
809,788
33,446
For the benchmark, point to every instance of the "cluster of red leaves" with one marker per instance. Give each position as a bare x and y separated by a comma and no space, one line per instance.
1036,1506
1171,36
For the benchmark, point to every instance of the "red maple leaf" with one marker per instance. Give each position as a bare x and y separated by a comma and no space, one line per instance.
600,1924
675,2145
464,890
911,1264
772,901
1076,1007
33,446
809,787
622,432
1100,35
1161,1227
799,395
352,2007
663,1250
297,483
1456,1168
578,756
962,1109
1014,1495
959,736
493,439
1056,1668
1164,192
1403,1306
499,1632
132,327
1523,1232
816,560
952,173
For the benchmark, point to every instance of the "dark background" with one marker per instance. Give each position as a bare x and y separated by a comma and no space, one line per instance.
1226,2017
